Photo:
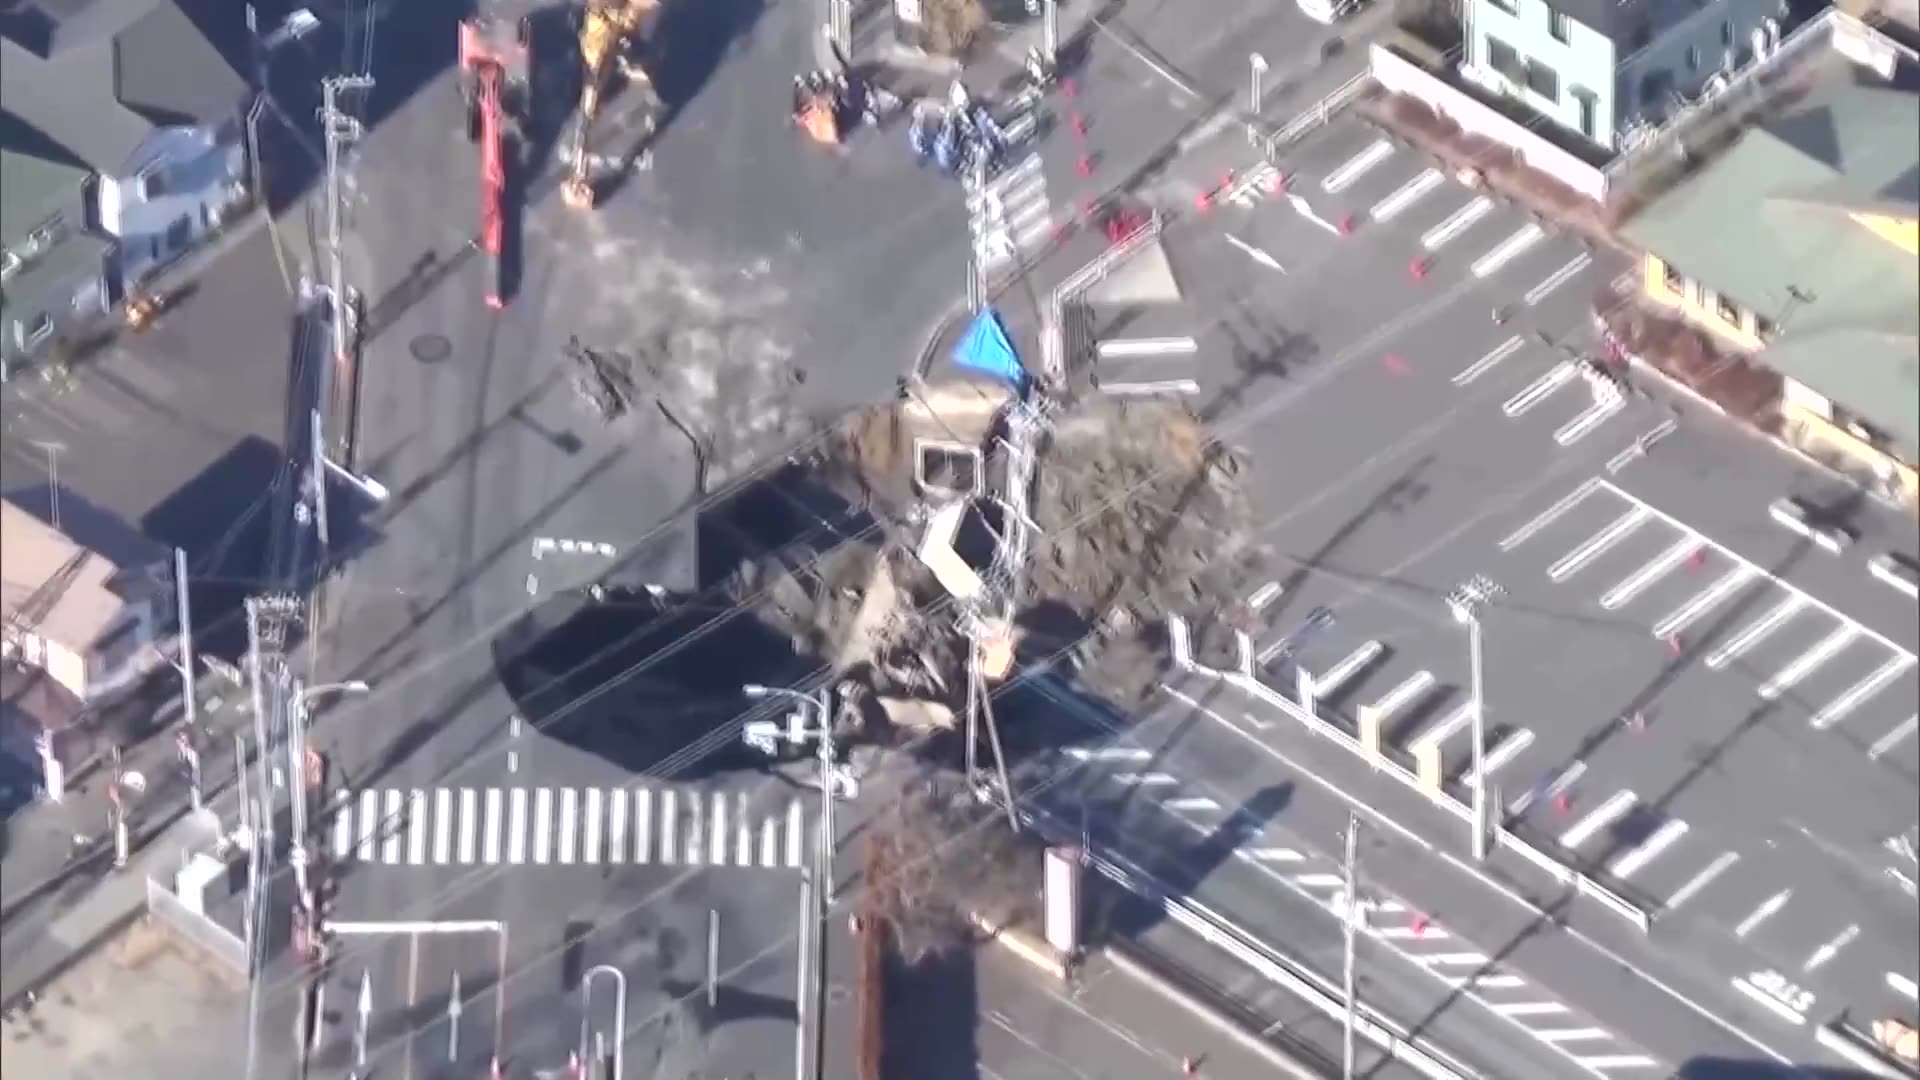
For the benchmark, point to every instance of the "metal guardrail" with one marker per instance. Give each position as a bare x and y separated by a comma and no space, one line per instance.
1315,116
212,938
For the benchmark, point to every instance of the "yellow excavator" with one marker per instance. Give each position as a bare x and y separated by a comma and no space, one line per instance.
607,29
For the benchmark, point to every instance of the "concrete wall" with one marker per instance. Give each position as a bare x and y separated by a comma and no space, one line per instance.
1582,65
1402,76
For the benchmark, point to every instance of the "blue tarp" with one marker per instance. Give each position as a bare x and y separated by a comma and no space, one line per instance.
986,347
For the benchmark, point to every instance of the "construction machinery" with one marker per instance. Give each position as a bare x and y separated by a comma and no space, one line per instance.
493,64
608,29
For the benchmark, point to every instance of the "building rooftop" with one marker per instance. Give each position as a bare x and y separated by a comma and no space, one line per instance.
32,188
65,592
77,253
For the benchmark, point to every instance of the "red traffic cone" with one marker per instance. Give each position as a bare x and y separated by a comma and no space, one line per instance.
1420,924
1078,123
1675,646
1562,804
496,1071
1084,165
1068,89
1203,202
574,1069
1277,183
1417,269
1346,224
1698,560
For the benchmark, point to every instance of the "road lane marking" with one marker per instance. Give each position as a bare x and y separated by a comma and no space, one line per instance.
1403,695
443,826
696,829
1837,709
1767,909
743,851
1597,545
1337,676
1484,364
1109,753
1560,1035
569,824
1149,779
1508,250
1659,567
1274,854
369,824
1456,223
1561,782
1256,254
642,825
1894,738
717,830
1755,631
1408,933
1684,616
794,828
1486,982
770,842
1454,959
1603,1062
542,825
1557,278
516,825
1320,881
1702,879
1903,986
392,822
1541,388
1530,1008
1663,838
1408,194
616,825
343,831
1264,595
1831,949
1594,415
1598,818
1440,732
1550,515
669,826
590,847
1351,170
1191,802
1804,664
490,846
416,827
1502,753
1771,1003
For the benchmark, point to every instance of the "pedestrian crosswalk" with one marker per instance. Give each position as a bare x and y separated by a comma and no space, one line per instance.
1010,216
563,826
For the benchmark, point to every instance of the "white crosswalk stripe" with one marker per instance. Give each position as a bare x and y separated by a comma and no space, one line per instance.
563,826
1011,215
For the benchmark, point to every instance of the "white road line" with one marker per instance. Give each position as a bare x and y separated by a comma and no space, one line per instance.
1356,166
1767,909
1440,732
1894,738
1509,249
1701,880
693,845
1403,695
1337,676
1837,709
1592,417
1700,603
1530,1008
1264,595
1663,838
1560,1035
1657,568
1598,818
469,826
1557,278
1597,544
1151,779
1755,631
590,846
442,826
343,831
1550,515
1484,364
569,823
1409,193
1831,949
794,829
490,847
999,186
770,842
1191,802
1603,1062
616,825
369,824
517,825
1487,982
743,851
1134,348
1453,959
1804,664
392,823
669,827
1769,1002
643,825
1457,222
1566,779
416,828
1903,986
542,825
1503,752
1274,854
1109,753
1541,388
1407,933
717,830
1021,127
1319,881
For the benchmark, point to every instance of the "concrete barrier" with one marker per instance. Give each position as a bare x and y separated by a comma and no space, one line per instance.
1369,720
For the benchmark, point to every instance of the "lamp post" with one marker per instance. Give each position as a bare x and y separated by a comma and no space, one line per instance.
1466,601
765,736
297,770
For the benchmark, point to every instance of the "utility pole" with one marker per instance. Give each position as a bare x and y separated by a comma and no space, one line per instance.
1466,602
189,705
341,130
52,450
1355,911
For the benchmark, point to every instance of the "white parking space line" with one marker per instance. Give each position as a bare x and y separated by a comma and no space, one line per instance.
1484,364
1560,1035
1440,732
1274,854
1677,620
1557,278
1319,881
1826,952
590,847
1541,388
517,825
1455,959
1755,631
1598,818
1146,779
1531,1008
1768,909
416,827
1408,194
1561,782
1595,414
1804,664
1597,544
1701,880
1457,222
1658,567
1837,709
1663,838
1191,802
1508,250
542,826
1408,933
1338,675
393,822
469,825
490,839
1603,1062
793,833
1264,595
1488,982
1903,986
1109,753
1356,166
1503,752
1550,515
642,825
1894,738
442,826
1403,695
616,825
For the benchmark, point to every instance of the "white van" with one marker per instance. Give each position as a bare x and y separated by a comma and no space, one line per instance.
1328,12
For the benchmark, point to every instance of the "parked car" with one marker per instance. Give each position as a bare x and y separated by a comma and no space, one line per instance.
1896,570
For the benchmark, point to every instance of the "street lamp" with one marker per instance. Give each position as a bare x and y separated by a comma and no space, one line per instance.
1466,601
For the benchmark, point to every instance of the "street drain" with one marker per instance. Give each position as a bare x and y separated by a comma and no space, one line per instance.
430,348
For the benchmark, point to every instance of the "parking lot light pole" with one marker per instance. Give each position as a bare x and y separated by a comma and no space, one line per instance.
1466,601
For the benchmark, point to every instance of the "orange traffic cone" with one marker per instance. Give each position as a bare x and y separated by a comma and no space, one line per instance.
1419,925
1562,805
1417,269
1346,224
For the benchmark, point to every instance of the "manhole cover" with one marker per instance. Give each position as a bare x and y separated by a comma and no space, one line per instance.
430,348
